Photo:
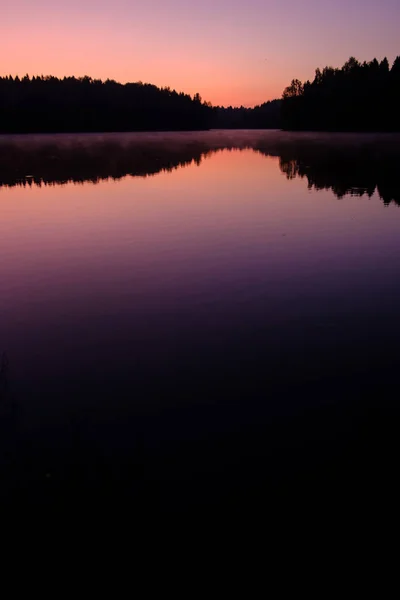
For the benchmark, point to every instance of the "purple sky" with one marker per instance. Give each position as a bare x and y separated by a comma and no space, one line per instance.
231,51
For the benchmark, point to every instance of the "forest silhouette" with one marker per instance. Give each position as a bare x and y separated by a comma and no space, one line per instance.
51,105
358,97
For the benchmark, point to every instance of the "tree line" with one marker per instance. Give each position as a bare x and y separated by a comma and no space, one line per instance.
357,97
49,104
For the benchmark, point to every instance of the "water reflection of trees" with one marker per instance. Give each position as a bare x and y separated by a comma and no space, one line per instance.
83,160
356,165
345,175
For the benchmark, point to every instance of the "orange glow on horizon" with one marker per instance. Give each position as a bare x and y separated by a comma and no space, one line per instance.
231,52
182,74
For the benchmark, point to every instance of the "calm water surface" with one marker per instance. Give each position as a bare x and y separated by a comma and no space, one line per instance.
211,310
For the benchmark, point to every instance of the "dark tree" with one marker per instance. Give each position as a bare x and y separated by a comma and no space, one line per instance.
48,104
357,97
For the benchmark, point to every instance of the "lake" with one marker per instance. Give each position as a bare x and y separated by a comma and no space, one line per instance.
198,320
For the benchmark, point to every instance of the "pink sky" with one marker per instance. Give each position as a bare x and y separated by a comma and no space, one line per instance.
230,51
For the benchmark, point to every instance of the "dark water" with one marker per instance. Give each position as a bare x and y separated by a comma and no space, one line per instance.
201,322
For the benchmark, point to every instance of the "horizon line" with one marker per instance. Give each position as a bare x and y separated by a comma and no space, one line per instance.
139,82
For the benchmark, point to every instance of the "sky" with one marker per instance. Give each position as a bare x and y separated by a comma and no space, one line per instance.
232,52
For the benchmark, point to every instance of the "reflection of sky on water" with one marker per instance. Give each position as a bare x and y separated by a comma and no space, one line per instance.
205,268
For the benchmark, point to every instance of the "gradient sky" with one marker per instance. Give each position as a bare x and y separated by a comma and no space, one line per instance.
230,51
